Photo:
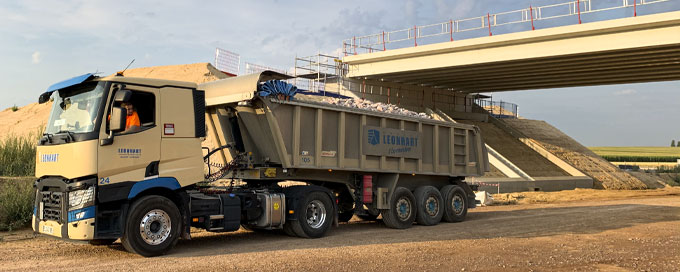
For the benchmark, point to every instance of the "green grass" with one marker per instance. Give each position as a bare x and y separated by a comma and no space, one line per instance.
16,202
638,153
17,156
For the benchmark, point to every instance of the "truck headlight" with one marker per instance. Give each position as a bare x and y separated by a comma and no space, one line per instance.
80,198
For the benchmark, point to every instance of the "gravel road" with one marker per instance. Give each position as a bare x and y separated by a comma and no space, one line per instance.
614,235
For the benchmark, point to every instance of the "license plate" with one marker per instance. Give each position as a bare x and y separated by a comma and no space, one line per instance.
47,229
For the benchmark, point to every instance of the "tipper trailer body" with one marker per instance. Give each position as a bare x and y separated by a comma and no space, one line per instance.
98,181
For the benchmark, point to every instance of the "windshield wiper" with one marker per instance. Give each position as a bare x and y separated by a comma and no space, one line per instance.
70,137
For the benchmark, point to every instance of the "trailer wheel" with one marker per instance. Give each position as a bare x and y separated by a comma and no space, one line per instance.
153,226
402,212
314,216
455,203
101,242
430,205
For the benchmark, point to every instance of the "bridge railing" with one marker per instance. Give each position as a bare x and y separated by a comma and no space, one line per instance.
418,35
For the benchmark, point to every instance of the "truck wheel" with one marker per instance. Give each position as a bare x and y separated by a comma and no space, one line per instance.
430,208
101,242
402,210
314,216
153,226
455,203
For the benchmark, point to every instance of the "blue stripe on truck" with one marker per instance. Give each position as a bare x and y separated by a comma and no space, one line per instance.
169,183
87,213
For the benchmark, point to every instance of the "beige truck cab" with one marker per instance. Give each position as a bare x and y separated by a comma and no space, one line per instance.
90,162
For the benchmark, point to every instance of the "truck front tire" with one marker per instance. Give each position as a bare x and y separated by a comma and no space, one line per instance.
455,203
153,226
402,212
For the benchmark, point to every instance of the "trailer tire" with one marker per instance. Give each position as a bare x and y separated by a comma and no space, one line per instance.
101,242
314,216
455,203
430,205
152,213
403,209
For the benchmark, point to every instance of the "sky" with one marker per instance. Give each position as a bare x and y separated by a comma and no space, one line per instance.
44,42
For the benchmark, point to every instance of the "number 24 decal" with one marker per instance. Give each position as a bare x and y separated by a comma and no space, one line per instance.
104,181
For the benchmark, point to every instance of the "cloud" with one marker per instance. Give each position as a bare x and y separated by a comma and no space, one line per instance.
625,92
36,57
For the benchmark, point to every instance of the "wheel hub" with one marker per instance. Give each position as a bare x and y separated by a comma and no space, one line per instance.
458,203
432,206
316,214
155,227
403,209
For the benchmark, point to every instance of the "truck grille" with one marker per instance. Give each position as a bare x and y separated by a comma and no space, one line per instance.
52,205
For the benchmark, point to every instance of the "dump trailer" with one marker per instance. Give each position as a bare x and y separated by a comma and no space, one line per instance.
122,158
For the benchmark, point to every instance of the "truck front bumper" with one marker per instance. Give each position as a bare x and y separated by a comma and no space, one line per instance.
79,226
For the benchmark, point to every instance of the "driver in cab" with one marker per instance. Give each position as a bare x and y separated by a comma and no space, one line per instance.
132,123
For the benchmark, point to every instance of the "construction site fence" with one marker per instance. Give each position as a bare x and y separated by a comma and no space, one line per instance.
530,17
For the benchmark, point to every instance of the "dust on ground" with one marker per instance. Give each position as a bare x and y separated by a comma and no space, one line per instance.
607,235
579,194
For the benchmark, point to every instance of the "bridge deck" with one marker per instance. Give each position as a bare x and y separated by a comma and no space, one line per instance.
629,50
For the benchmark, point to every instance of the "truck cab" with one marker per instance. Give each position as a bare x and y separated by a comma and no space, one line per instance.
90,166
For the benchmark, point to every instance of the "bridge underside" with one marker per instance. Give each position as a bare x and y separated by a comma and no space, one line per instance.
630,50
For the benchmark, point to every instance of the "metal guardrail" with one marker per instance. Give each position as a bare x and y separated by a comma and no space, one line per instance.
381,41
499,109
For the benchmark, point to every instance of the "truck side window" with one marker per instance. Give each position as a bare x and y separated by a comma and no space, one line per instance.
141,111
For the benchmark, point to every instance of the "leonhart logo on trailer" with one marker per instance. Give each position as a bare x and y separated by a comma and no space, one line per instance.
49,157
125,153
373,136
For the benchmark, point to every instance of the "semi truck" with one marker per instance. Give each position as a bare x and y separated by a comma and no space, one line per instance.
99,179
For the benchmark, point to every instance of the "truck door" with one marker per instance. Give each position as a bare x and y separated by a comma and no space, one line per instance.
134,153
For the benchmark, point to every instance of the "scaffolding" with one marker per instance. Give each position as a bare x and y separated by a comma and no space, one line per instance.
315,73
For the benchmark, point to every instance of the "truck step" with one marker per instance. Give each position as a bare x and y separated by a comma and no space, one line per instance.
217,217
216,229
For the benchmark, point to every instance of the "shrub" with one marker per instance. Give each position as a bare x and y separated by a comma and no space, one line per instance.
15,108
17,156
16,203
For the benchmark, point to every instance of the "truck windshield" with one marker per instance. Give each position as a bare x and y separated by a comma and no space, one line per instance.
75,109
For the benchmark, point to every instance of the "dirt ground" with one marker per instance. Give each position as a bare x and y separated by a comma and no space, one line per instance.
637,233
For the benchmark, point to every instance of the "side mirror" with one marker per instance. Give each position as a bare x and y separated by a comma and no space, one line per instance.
118,116
122,96
117,123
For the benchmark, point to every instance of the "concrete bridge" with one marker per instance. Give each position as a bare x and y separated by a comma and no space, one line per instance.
629,50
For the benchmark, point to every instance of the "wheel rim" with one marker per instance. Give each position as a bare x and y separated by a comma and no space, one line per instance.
403,209
155,227
458,204
316,214
432,206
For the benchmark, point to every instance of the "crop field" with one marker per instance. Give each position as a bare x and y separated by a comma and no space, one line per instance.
638,153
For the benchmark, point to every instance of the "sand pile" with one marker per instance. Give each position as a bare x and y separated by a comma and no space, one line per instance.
196,72
28,120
